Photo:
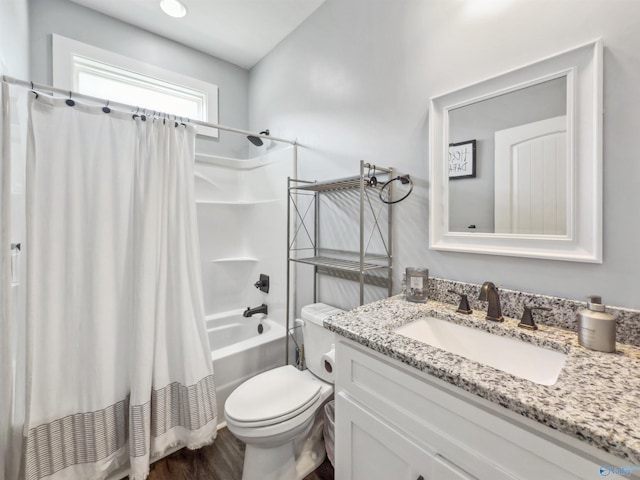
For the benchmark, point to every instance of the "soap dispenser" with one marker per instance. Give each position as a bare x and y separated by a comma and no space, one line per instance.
596,328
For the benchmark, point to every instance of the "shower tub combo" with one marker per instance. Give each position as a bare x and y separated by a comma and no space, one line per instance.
242,224
239,351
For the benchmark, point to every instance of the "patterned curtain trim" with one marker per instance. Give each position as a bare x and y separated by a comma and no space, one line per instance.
91,437
175,405
76,439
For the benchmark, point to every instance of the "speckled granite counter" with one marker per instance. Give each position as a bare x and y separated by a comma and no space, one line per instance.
596,398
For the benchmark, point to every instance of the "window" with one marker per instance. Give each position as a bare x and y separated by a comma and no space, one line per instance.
92,71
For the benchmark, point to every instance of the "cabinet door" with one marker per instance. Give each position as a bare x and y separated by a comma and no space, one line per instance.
369,449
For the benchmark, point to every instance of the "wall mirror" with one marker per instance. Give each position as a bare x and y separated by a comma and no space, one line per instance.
516,161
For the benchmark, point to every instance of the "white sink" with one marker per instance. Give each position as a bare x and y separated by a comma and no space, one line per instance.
518,358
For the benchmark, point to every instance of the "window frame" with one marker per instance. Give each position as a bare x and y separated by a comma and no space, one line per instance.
69,55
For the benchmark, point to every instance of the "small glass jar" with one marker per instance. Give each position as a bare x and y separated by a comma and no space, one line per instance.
417,284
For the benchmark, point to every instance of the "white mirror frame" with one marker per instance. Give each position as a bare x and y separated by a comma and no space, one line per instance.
583,68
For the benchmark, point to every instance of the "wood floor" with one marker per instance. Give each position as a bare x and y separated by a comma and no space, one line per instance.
220,461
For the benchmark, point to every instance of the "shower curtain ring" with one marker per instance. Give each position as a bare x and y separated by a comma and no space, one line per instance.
33,90
106,108
70,102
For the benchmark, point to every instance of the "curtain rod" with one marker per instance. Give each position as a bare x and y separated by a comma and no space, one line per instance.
48,88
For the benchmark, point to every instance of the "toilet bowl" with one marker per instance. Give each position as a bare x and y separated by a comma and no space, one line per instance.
278,413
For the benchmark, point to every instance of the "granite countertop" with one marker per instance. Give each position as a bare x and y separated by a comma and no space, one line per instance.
595,398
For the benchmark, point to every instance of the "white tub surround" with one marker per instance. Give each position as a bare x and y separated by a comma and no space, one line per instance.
594,400
242,222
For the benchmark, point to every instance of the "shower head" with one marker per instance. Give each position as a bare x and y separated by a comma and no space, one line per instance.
257,141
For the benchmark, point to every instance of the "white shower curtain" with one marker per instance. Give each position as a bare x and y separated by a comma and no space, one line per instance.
12,298
118,363
6,350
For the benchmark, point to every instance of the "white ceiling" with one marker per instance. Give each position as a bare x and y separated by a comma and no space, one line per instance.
238,31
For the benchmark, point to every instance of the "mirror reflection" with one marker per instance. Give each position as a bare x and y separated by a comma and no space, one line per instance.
508,162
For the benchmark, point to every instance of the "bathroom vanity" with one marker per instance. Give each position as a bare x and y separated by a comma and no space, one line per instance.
408,410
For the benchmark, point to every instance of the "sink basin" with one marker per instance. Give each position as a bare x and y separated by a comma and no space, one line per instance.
537,364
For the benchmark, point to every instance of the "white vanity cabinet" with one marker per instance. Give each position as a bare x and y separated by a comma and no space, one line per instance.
394,422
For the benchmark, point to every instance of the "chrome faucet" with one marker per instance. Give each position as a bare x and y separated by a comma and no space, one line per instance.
489,293
252,311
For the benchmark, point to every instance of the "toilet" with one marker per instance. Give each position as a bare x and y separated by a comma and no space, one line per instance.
278,413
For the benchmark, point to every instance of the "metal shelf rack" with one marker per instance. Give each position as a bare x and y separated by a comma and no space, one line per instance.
375,221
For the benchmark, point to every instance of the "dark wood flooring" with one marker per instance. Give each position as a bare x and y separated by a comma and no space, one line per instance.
221,460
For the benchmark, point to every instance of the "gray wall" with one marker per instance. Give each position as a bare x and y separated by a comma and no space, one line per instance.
79,23
354,81
14,38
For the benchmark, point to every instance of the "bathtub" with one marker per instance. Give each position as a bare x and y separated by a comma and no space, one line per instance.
239,351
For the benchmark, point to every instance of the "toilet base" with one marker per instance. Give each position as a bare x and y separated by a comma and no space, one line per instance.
275,463
310,451
292,460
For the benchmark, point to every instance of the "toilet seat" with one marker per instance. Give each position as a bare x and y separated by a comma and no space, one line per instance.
272,397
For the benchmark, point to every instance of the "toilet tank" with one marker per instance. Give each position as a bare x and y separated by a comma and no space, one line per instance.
318,341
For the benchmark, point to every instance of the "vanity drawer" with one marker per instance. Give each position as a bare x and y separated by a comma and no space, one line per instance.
439,416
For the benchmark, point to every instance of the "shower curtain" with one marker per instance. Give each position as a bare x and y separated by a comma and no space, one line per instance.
118,363
6,357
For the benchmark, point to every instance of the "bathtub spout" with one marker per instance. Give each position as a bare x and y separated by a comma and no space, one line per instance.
252,311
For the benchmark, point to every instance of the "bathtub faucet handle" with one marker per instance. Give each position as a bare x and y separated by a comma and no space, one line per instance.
263,283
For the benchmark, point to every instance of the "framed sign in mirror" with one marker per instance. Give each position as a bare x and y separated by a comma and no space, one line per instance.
462,159
533,171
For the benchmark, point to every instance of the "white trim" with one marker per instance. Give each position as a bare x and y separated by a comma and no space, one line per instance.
583,68
64,50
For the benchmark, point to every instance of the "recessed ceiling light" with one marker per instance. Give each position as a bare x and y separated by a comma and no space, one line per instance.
173,8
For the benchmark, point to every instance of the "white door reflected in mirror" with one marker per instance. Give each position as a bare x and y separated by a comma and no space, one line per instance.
532,183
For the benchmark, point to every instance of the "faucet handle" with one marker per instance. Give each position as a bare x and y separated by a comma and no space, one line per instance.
527,317
263,283
464,303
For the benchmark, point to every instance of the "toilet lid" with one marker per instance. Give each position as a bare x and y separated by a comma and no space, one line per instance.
272,396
